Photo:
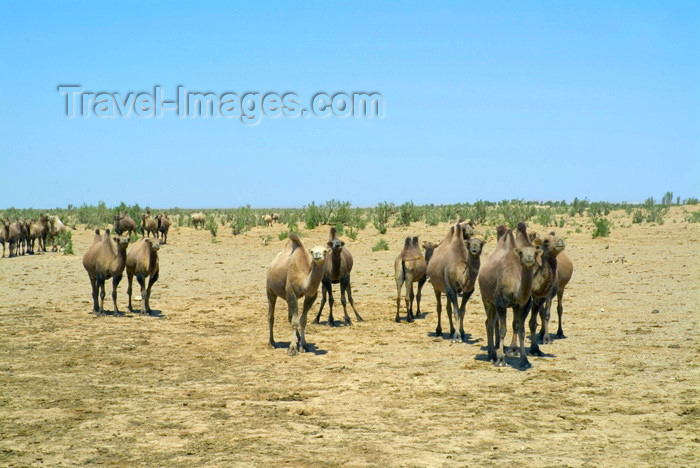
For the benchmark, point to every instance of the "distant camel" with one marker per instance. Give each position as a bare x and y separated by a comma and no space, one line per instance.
338,269
268,220
294,273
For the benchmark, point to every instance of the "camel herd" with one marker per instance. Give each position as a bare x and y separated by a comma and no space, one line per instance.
22,236
524,273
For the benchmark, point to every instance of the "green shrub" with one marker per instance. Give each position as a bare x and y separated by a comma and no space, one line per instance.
242,219
65,242
691,201
602,227
380,216
408,213
693,217
381,245
283,235
211,225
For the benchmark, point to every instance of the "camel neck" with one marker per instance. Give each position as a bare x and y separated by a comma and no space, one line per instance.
525,289
336,260
314,278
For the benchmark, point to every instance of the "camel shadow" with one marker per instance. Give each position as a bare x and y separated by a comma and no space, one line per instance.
336,324
110,313
446,336
512,360
311,348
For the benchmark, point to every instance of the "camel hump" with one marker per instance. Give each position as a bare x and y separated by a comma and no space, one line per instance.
294,237
500,230
415,241
522,227
333,233
407,243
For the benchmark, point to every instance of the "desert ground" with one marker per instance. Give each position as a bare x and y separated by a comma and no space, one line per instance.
197,385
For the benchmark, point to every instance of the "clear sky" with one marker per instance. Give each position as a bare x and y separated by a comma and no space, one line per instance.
483,100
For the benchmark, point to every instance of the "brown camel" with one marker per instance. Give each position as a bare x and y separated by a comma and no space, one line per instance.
453,269
295,272
142,262
506,281
544,281
338,269
409,267
105,259
565,269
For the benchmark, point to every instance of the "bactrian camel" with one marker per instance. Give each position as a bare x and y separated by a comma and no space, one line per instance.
453,270
294,273
338,269
505,281
410,267
106,258
142,262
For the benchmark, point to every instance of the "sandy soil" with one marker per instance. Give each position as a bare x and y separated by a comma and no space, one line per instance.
199,385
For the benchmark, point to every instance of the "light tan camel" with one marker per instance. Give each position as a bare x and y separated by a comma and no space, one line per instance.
453,272
338,268
295,272
105,259
409,267
506,281
142,262
268,220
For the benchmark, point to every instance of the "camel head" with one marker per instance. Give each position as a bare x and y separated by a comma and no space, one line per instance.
467,229
318,254
475,246
154,244
122,242
336,245
528,255
558,244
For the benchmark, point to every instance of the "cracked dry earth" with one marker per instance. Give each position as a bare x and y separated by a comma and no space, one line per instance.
198,385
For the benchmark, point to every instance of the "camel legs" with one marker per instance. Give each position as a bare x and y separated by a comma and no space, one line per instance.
560,312
346,282
538,310
152,279
115,284
323,301
520,312
490,329
500,317
399,285
327,289
95,292
101,284
308,302
293,307
418,296
453,308
410,297
271,300
438,299
129,282
462,312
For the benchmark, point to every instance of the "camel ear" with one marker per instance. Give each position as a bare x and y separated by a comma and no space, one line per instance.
342,243
326,252
329,244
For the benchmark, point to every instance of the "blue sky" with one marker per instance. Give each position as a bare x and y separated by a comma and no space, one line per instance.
483,100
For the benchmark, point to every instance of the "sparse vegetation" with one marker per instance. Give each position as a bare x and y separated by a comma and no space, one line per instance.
602,227
381,245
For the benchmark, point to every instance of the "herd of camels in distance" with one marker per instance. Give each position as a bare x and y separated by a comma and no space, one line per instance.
524,273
